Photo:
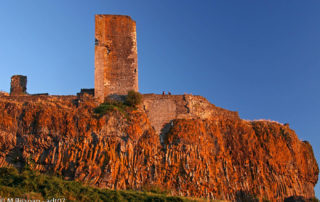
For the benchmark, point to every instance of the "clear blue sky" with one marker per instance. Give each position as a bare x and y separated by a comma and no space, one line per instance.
260,58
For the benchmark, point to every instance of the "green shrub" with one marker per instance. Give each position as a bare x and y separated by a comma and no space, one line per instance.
109,106
133,98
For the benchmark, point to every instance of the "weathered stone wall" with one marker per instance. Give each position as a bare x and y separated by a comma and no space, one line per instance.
162,109
18,85
116,69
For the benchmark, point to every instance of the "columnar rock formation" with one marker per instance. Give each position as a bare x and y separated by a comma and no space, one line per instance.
116,69
216,155
18,85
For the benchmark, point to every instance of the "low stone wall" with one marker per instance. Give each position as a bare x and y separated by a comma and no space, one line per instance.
162,109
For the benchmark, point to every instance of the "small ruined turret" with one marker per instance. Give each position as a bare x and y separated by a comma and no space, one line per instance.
18,85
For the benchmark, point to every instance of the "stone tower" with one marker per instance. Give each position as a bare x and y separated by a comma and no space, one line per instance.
18,85
116,65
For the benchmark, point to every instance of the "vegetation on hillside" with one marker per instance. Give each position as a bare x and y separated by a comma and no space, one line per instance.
133,98
131,101
29,184
111,105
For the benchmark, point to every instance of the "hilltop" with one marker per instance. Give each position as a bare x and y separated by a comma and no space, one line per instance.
215,155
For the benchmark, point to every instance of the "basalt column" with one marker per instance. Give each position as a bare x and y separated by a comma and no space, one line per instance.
116,67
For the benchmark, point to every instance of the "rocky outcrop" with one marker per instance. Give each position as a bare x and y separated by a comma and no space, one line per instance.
219,156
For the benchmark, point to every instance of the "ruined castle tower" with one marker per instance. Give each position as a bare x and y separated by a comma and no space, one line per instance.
116,67
18,85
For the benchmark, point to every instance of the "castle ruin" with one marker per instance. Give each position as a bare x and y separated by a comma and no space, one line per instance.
116,66
18,85
116,72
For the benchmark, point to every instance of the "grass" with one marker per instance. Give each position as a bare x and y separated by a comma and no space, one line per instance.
33,185
109,106
29,184
132,100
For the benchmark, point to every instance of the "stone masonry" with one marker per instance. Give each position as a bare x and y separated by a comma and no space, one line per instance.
162,109
116,67
18,85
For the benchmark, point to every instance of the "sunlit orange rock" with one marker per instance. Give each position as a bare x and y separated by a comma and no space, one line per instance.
218,156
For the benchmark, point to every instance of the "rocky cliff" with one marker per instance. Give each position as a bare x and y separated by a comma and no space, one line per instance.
218,156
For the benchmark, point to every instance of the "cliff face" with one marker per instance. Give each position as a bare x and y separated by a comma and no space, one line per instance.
220,156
